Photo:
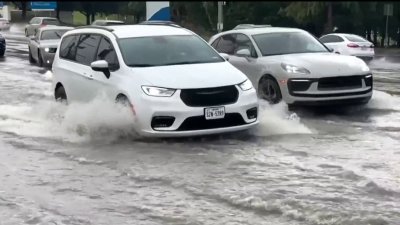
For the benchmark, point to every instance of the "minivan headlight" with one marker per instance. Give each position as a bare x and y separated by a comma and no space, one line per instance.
158,91
294,69
246,85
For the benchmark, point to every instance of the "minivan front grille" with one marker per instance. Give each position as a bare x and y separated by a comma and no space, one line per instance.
210,96
200,122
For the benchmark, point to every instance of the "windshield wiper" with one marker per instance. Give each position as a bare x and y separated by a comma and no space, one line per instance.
141,65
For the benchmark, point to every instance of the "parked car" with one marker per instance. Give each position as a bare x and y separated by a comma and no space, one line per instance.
174,82
37,22
2,45
349,44
43,45
292,65
107,22
4,24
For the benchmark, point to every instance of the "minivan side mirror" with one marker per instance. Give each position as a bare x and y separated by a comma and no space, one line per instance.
243,52
225,56
101,66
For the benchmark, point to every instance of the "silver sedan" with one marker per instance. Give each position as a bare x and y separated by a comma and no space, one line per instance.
43,45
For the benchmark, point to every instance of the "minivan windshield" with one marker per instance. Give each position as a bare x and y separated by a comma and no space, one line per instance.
287,43
166,50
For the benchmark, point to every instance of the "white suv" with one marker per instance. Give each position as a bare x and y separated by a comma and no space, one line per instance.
290,64
176,84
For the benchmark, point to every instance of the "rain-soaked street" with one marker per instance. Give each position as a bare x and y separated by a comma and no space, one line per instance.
82,164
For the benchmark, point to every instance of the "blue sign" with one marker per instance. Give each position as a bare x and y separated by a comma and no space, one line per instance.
157,11
43,6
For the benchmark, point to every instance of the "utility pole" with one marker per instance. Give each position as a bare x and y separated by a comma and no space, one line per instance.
387,11
220,24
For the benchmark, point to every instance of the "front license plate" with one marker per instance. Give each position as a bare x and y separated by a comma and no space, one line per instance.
214,113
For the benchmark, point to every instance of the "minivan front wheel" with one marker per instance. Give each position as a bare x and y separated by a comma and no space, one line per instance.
268,89
60,94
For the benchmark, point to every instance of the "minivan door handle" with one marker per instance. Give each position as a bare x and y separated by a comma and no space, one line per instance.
90,77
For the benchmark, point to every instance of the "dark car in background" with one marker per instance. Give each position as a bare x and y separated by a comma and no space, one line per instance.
2,45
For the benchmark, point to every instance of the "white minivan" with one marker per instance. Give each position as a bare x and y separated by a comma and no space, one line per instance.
176,84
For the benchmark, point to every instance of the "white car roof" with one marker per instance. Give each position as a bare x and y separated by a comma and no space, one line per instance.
254,31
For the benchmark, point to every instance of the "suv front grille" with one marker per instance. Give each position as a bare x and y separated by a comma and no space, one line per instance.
340,83
210,96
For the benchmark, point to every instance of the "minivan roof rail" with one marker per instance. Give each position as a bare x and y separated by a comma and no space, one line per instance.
159,22
249,26
96,27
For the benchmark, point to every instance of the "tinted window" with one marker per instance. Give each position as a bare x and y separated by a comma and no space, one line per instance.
50,22
52,34
167,50
226,44
287,43
244,42
331,39
107,52
355,38
215,43
86,48
68,47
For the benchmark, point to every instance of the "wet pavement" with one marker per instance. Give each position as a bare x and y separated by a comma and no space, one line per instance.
83,164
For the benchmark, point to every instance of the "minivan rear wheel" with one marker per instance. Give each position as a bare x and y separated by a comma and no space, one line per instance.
268,89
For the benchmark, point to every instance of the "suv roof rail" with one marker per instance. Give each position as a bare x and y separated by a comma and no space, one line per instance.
159,22
249,26
96,27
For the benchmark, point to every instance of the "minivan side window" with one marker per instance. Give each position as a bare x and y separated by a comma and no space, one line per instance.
107,52
68,47
86,48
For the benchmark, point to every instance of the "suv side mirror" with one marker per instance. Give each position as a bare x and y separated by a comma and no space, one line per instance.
243,52
225,56
101,66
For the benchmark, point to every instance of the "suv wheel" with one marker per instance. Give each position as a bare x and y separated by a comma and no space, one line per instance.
268,89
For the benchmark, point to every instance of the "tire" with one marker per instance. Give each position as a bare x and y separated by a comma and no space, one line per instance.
60,95
31,59
268,89
123,100
40,59
2,53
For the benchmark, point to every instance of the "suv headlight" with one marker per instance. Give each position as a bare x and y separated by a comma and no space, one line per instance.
294,69
365,67
246,85
50,50
158,92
